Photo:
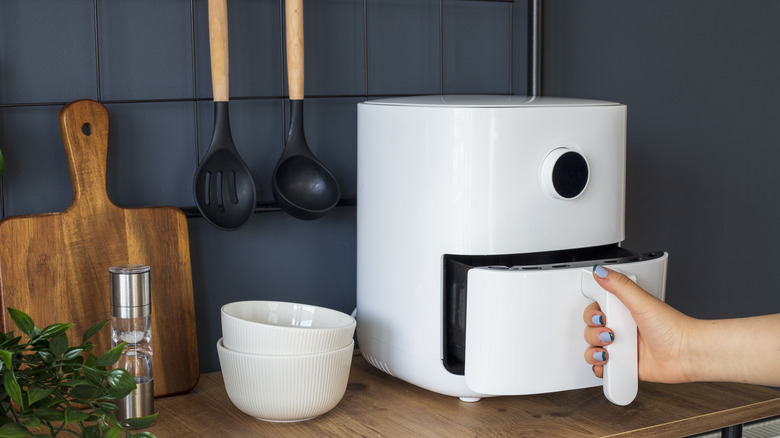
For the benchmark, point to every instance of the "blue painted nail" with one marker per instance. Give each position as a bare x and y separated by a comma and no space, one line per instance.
599,356
600,271
606,337
598,319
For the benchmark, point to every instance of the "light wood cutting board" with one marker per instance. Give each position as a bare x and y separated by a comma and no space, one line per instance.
54,266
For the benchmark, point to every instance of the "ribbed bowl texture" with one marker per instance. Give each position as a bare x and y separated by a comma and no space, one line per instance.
280,328
285,388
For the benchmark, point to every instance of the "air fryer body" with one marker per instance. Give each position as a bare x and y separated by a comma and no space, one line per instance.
476,216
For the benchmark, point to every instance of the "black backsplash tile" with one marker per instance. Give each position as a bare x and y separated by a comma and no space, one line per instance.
37,179
403,46
150,159
47,51
145,49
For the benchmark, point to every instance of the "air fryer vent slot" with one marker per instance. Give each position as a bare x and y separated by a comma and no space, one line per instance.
377,363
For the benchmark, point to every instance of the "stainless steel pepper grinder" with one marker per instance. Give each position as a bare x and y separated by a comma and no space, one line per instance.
131,322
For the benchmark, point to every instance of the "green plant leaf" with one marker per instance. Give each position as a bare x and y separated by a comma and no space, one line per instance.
120,384
112,433
12,386
144,435
46,357
37,392
111,356
73,353
23,322
73,415
92,431
141,422
54,330
92,331
13,430
86,392
59,344
33,422
7,358
51,415
10,342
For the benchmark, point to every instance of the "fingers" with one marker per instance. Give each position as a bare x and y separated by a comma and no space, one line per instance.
599,336
593,315
629,293
597,357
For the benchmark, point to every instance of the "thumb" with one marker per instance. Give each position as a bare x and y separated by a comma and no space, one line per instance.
629,293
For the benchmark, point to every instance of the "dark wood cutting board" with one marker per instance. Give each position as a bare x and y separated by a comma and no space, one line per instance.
54,266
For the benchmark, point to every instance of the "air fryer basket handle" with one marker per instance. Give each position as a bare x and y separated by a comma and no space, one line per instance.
621,373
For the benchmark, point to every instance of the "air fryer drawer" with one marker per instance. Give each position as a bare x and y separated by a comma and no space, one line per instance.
544,270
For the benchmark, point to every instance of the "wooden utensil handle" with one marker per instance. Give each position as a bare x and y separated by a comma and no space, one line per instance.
294,33
84,129
218,47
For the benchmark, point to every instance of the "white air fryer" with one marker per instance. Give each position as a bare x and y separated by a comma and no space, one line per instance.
479,221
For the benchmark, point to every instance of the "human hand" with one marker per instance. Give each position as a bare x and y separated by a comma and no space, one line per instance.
661,330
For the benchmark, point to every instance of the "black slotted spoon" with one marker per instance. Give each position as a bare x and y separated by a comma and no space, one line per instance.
224,190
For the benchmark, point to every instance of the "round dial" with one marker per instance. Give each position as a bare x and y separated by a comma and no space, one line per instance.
565,174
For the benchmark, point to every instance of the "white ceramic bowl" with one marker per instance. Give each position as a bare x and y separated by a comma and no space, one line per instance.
285,388
279,328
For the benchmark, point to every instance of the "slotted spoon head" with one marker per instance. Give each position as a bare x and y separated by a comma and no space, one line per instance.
223,186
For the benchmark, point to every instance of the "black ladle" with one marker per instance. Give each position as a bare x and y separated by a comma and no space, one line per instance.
224,189
301,184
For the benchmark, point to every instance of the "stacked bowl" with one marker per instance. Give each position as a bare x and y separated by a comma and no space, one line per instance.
285,361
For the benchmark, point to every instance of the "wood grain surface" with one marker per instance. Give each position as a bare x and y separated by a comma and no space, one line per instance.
54,266
379,405
295,48
218,50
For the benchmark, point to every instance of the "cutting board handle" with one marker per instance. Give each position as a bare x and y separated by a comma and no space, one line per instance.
84,128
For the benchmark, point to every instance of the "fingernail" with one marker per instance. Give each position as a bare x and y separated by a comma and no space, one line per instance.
600,271
599,356
598,319
606,337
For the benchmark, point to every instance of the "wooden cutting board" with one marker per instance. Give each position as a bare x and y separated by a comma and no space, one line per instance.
54,266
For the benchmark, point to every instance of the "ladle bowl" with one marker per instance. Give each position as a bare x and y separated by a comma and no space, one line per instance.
304,187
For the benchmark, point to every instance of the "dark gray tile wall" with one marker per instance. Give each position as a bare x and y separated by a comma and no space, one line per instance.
700,82
148,62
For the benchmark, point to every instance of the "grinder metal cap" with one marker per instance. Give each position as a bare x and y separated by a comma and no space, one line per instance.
130,291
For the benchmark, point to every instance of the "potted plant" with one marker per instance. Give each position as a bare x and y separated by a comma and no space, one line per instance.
50,388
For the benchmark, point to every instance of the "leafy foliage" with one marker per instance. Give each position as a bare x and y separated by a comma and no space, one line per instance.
48,387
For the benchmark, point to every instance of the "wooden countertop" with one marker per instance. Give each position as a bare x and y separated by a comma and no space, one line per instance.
379,405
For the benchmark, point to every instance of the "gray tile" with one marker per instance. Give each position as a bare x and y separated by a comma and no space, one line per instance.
37,179
145,49
254,48
151,154
274,257
257,129
477,51
333,33
47,50
403,47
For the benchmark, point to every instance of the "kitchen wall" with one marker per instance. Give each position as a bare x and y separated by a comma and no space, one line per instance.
701,84
699,81
148,62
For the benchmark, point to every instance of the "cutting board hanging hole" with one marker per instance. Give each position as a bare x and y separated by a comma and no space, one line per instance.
86,129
